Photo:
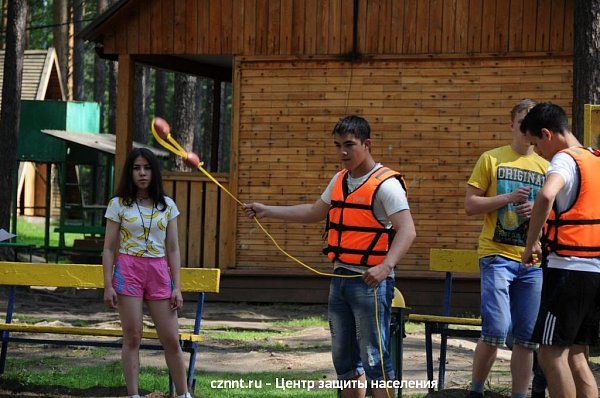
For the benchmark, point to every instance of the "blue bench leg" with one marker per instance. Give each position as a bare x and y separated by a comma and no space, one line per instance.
192,367
442,368
429,354
9,313
194,353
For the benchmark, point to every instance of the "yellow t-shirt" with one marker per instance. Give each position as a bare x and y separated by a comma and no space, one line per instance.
500,171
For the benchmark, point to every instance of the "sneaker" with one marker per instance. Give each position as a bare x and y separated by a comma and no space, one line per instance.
186,395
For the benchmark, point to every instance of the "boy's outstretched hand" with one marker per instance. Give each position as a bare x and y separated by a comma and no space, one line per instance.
255,209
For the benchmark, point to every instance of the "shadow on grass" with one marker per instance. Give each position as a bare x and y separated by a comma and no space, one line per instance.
17,387
461,393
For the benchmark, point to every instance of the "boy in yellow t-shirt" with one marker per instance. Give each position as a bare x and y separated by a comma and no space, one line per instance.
503,186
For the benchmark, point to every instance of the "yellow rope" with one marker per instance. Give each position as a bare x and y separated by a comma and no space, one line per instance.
174,147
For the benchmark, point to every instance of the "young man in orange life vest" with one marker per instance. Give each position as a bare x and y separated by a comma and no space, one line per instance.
568,208
370,229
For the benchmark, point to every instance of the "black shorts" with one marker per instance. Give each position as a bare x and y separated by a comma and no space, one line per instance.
570,308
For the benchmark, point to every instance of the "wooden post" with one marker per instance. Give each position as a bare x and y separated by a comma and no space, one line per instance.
124,133
229,209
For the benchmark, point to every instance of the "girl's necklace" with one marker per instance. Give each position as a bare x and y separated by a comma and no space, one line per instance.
146,233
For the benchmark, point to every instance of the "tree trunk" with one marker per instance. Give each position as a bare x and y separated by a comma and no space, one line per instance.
100,75
27,31
112,97
11,106
206,121
4,23
200,111
141,124
586,64
160,93
78,52
225,130
185,115
61,37
100,98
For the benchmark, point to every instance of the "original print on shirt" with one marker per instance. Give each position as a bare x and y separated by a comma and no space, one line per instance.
511,229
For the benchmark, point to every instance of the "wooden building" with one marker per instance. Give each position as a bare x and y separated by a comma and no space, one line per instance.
435,78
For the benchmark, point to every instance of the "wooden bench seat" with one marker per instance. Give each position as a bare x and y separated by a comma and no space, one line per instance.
198,280
450,262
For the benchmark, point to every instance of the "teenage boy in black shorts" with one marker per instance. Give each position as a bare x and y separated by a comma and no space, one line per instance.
568,208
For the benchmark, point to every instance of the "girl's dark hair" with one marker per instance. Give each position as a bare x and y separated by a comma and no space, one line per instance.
127,189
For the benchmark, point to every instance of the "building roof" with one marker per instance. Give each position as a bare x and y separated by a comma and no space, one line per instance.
41,77
102,142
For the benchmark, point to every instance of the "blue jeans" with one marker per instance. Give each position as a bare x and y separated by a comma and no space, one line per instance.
354,336
510,294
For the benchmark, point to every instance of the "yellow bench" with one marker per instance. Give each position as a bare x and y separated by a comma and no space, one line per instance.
198,280
450,262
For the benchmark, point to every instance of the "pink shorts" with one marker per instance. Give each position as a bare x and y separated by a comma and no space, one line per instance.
146,277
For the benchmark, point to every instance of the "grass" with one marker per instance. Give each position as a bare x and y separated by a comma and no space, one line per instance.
32,319
302,322
33,232
243,334
262,340
77,378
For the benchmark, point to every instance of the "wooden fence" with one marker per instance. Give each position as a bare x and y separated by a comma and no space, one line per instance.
205,225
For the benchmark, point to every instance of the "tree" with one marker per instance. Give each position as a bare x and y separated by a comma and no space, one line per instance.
78,51
160,93
586,60
112,97
185,115
100,74
11,104
61,37
141,104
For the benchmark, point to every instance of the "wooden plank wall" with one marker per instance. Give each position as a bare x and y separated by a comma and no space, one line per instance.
309,27
430,118
205,234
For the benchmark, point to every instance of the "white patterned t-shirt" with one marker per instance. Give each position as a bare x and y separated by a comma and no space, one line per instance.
143,229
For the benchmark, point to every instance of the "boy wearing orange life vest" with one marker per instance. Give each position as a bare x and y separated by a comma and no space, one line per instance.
567,208
370,229
501,187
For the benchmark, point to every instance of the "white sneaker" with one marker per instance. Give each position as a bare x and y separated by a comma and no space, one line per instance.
186,395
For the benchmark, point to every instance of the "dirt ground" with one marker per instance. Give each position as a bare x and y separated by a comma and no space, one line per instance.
306,350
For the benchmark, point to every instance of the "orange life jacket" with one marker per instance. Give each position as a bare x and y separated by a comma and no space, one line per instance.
576,231
354,235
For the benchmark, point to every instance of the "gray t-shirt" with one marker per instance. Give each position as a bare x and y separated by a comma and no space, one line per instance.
564,165
389,199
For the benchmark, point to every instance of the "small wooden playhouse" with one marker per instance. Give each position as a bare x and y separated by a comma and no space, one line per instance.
435,78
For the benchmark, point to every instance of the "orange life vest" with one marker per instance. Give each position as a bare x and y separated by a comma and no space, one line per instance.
354,235
576,231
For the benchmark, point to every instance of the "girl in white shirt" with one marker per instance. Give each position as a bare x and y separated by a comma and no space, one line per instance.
141,224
